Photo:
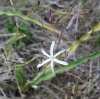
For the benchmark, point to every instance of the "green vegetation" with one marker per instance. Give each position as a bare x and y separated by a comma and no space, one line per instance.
29,27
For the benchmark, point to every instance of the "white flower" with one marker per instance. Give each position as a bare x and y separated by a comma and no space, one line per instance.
52,58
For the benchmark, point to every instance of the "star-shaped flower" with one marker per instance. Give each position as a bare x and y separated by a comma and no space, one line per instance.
52,58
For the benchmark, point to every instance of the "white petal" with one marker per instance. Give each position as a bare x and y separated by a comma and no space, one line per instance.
44,62
60,62
45,53
52,69
51,48
58,53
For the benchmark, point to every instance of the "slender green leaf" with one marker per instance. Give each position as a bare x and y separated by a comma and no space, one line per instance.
48,75
20,76
83,38
15,38
9,13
